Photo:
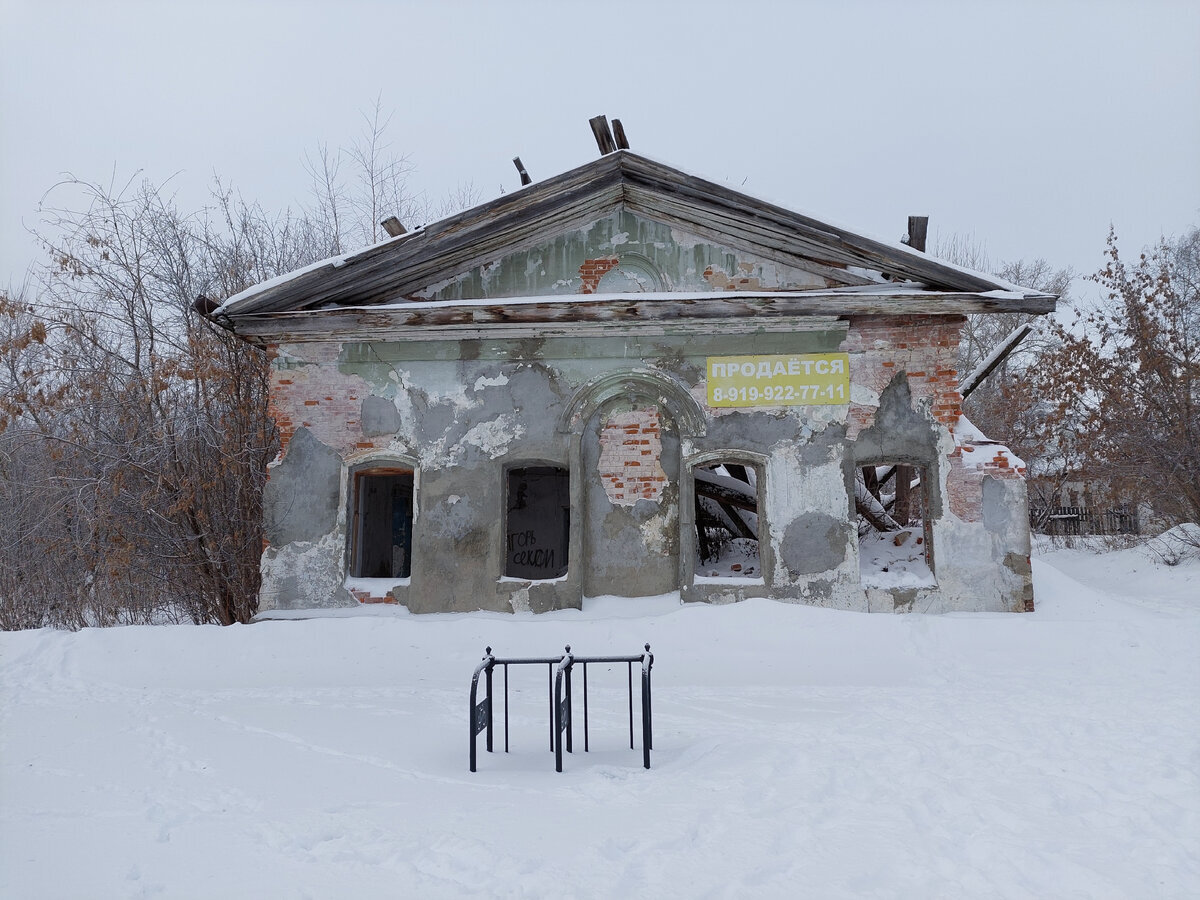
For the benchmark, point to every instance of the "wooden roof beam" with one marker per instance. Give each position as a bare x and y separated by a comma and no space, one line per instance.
619,133
525,179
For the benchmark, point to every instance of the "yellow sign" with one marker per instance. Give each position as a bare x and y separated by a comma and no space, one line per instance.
797,379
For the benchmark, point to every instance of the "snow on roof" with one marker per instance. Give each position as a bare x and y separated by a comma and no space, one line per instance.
333,262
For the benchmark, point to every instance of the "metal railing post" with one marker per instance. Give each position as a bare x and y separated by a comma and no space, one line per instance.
647,722
562,711
480,716
629,672
488,676
585,711
570,725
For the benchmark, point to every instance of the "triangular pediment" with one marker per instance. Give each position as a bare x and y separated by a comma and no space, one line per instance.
635,222
626,252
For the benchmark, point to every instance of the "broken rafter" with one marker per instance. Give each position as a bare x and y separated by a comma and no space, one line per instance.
525,179
918,230
872,510
604,137
722,515
726,490
393,226
619,134
994,359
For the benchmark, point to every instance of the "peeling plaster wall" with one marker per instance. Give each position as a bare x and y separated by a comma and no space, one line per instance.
651,255
904,408
461,412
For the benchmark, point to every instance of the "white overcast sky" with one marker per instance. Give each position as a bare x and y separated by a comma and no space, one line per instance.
1031,126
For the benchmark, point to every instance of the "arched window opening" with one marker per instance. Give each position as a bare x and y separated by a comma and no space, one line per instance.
727,520
382,530
895,546
537,523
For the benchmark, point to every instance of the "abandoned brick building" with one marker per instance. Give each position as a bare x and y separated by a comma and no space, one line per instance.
625,380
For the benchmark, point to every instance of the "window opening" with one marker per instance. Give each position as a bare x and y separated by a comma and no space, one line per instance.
538,523
727,520
383,515
895,547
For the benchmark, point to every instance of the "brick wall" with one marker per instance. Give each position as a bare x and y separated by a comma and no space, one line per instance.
630,464
319,398
925,347
964,481
593,270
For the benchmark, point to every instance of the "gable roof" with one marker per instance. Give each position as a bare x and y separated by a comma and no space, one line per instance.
391,271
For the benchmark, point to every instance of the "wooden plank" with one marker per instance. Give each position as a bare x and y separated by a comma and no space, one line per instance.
619,134
918,230
566,315
604,138
994,359
726,496
350,331
525,179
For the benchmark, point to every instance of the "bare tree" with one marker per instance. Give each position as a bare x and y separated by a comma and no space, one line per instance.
1125,383
134,434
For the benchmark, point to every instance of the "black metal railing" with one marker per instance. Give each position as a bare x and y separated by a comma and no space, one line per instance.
558,684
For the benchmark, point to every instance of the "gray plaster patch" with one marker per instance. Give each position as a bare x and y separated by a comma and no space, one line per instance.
819,591
533,390
997,505
813,542
301,499
436,418
823,447
902,434
1020,566
473,545
756,431
379,416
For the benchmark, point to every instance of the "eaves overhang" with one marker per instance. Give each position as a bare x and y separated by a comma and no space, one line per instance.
674,312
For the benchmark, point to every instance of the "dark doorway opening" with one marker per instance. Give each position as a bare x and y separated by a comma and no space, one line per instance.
383,514
538,523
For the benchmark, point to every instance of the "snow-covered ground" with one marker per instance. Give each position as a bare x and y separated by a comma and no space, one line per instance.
799,752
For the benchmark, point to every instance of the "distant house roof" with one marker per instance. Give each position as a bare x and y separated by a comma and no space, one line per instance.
858,270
